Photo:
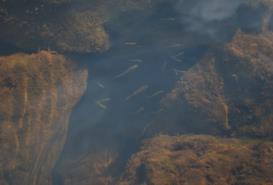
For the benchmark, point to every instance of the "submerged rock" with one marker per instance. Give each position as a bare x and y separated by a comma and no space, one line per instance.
61,25
37,94
230,92
200,160
200,95
248,72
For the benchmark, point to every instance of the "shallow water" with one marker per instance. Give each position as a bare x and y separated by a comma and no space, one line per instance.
151,51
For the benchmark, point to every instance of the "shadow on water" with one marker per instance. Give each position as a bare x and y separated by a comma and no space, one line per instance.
8,49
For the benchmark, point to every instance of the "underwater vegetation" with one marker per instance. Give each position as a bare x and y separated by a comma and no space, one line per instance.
148,92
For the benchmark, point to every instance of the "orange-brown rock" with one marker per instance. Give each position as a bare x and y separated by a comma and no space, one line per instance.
37,93
201,160
200,95
229,91
61,25
57,27
249,83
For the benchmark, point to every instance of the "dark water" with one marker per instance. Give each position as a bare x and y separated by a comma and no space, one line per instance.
157,48
159,55
150,50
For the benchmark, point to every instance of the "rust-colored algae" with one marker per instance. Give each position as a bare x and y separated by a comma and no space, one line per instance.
37,93
227,92
200,160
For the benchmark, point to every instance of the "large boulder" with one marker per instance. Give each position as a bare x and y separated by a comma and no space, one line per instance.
198,99
248,74
61,25
37,94
200,160
228,92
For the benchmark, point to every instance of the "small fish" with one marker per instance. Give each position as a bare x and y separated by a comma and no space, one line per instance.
136,60
133,67
136,92
105,100
100,85
235,77
141,109
101,105
157,93
176,45
178,72
168,19
130,43
180,54
175,58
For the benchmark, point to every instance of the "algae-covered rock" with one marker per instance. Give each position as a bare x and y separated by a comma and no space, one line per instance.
229,91
199,99
61,25
248,73
37,94
200,160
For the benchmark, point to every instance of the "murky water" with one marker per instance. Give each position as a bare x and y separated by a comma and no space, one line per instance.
173,67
